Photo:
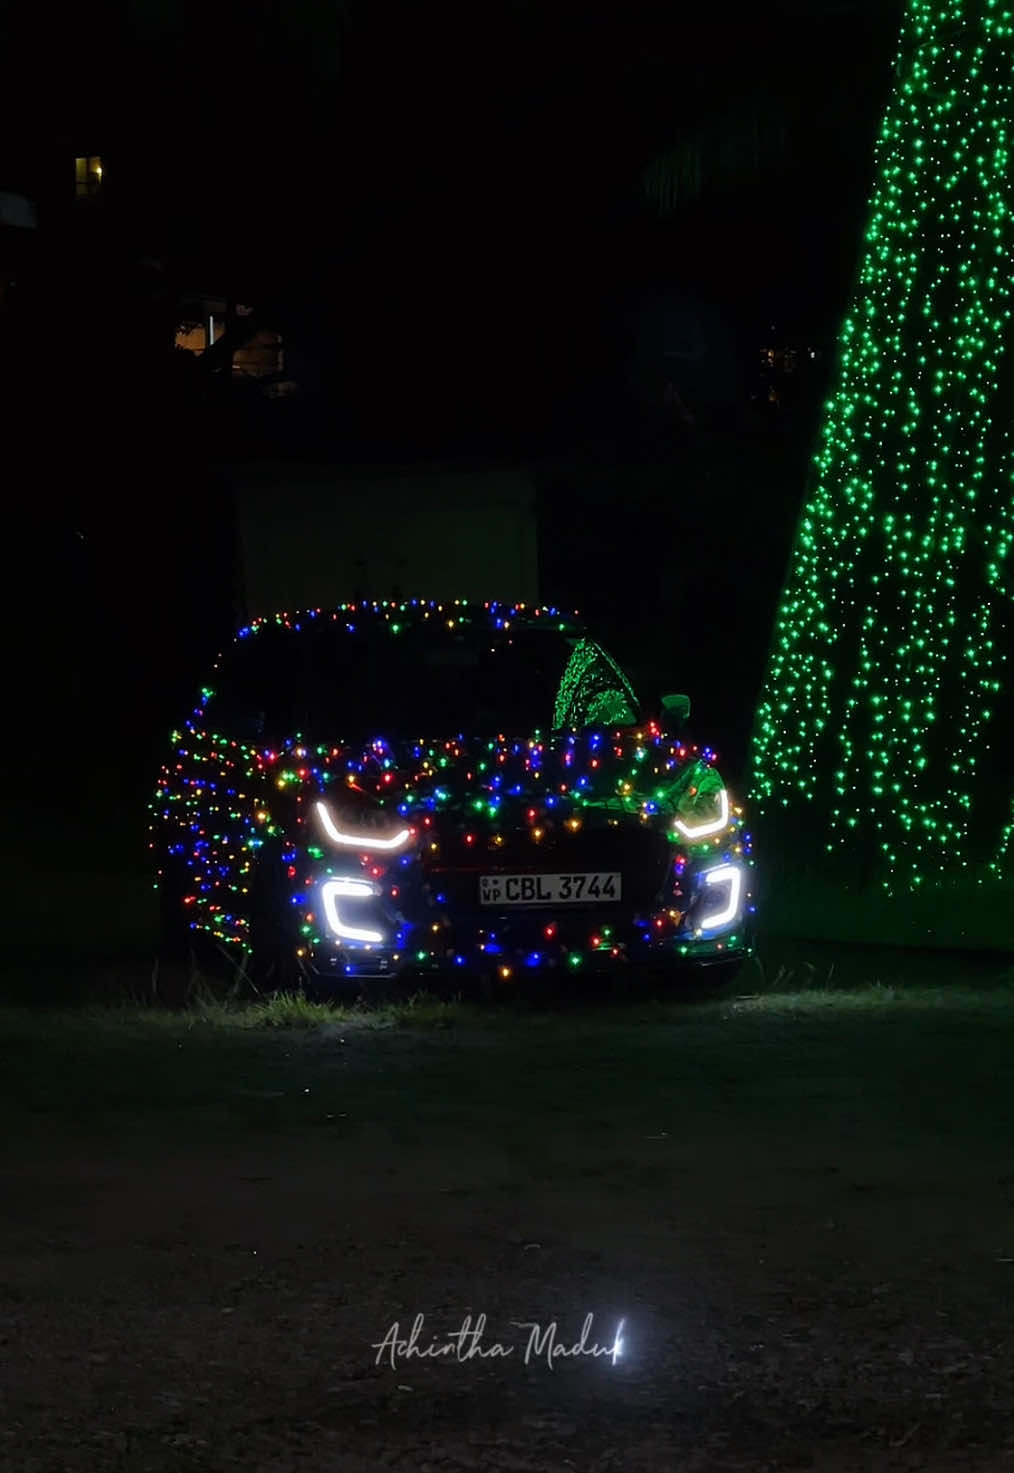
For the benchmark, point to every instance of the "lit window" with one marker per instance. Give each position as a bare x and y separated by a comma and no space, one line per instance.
87,176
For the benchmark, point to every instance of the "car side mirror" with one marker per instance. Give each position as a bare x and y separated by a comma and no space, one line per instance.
676,710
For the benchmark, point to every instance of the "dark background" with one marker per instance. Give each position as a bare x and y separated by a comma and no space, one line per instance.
478,230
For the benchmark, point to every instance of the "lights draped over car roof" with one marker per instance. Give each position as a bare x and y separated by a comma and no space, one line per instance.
357,825
400,613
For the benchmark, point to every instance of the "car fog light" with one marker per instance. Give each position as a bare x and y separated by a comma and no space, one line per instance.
723,897
333,891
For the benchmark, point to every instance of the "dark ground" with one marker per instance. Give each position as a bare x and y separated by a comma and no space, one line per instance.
799,1201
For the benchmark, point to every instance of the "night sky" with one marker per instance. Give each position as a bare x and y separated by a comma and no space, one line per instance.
447,199
443,208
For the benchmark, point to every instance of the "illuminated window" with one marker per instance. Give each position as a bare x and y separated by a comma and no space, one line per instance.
195,336
87,176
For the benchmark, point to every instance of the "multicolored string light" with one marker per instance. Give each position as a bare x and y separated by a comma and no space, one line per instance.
221,800
888,664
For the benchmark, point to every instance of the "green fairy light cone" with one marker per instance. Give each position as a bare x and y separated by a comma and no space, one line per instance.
885,728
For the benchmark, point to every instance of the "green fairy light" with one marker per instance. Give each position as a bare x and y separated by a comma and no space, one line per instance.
1005,849
593,682
888,661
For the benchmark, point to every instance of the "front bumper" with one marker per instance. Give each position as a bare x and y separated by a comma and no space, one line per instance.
366,937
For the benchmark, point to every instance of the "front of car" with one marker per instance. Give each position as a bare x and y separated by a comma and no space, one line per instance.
506,848
504,855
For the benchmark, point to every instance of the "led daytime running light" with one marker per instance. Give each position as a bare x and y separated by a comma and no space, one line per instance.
723,874
710,826
364,842
330,892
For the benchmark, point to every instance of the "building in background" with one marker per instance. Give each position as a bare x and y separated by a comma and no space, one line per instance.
683,363
313,536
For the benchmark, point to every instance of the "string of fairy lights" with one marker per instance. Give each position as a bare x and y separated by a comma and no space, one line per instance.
1005,849
220,801
888,659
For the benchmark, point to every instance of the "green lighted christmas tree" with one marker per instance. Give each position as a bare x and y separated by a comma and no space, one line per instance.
885,722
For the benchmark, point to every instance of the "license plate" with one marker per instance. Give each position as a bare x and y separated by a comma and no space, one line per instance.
548,889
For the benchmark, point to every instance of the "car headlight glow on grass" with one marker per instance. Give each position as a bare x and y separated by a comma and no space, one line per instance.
723,898
331,891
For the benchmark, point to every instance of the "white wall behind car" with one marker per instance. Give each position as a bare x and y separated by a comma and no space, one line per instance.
316,536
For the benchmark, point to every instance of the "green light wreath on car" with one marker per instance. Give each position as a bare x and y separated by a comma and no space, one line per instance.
609,705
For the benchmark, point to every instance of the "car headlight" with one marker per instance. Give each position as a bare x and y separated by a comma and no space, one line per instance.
703,812
367,833
332,893
722,900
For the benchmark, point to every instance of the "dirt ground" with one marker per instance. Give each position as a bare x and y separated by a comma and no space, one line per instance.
803,1215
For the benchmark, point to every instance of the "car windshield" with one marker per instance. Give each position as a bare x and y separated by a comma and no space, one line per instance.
333,683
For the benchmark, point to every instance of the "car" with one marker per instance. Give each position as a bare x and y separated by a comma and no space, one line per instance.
410,788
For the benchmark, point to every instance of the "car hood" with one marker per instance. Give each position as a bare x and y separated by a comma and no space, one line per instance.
641,773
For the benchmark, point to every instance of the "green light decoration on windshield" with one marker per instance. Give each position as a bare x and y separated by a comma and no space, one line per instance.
592,691
886,704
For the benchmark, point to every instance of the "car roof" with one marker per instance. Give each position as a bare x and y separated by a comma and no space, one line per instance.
420,612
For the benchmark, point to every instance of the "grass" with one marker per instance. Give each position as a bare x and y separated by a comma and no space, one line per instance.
823,1149
905,1052
132,976
106,1053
